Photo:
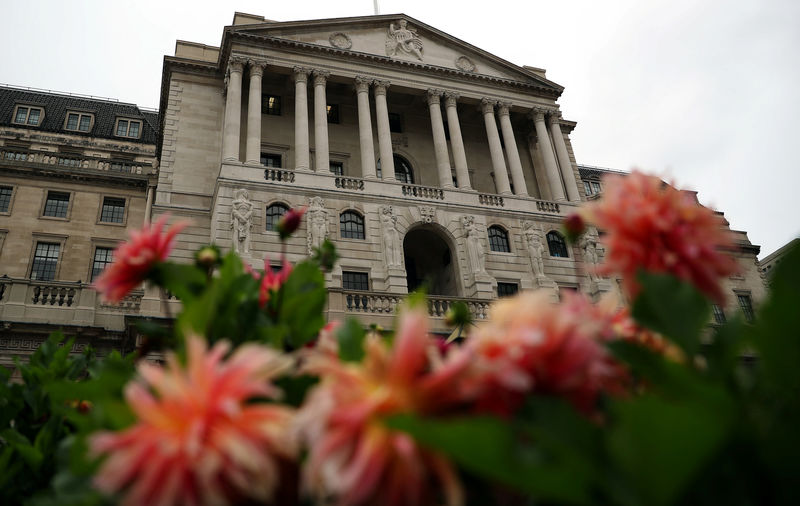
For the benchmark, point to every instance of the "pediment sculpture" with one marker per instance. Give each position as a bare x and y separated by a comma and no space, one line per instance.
403,39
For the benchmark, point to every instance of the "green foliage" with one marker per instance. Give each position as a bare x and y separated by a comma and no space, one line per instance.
350,336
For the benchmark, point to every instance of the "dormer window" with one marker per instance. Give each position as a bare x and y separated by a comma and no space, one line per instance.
79,121
27,115
130,128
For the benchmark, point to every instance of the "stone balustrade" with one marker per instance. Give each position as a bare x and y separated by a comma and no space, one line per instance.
423,192
51,293
491,200
279,175
386,303
548,207
73,161
131,303
349,183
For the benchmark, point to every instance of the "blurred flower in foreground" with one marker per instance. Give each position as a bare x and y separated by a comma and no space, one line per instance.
134,259
652,226
198,440
353,456
272,281
290,222
532,345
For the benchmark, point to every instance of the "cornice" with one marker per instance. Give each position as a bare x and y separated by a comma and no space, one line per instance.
88,176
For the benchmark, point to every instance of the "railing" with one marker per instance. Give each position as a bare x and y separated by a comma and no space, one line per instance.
280,175
349,183
547,207
423,192
131,303
385,303
491,200
71,161
52,294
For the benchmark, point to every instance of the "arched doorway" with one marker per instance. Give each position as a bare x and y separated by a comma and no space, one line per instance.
402,170
430,262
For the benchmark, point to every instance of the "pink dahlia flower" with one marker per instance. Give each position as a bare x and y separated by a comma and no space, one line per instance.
198,439
272,281
290,222
134,259
354,458
652,226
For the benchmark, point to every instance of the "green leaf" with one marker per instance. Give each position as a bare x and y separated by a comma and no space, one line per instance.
301,302
185,281
351,340
32,457
673,308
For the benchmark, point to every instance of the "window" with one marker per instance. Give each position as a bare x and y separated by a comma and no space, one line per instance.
565,289
746,305
102,257
79,122
507,289
591,188
337,168
351,225
128,128
274,214
719,314
121,167
271,160
271,104
355,280
113,210
558,248
45,260
498,239
333,113
402,170
65,161
56,205
27,115
395,123
5,198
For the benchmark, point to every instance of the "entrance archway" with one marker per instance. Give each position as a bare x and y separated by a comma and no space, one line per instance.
430,262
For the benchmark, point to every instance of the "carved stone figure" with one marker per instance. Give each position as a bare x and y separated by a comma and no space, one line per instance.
476,256
392,247
591,256
403,38
428,214
317,223
241,221
533,240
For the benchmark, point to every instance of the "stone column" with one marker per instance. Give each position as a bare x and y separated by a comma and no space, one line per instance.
233,111
365,128
439,139
456,142
384,132
563,156
301,118
495,148
546,150
253,147
514,163
323,159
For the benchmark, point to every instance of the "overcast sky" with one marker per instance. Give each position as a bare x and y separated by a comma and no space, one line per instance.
702,92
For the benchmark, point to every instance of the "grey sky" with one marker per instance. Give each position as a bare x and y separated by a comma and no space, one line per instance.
701,92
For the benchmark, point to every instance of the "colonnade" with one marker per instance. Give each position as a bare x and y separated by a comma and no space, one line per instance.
553,149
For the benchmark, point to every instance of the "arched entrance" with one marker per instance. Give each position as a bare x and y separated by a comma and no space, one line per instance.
430,262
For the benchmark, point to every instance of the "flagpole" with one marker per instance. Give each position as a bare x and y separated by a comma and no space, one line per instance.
375,4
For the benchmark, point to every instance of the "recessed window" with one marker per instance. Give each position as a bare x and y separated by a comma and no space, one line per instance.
355,280
351,225
56,205
102,257
5,198
27,115
128,128
557,245
395,123
498,239
113,210
507,289
121,167
66,161
45,260
333,113
746,304
271,104
719,314
271,160
337,168
78,122
274,214
402,170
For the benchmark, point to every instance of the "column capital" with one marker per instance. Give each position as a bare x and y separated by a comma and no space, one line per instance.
380,86
256,66
320,77
301,74
487,105
362,83
554,117
236,63
503,108
537,113
451,97
433,95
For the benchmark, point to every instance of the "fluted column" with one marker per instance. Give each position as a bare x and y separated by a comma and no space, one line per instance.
456,142
546,150
563,157
439,139
365,128
301,118
253,147
384,132
495,148
321,122
233,111
514,163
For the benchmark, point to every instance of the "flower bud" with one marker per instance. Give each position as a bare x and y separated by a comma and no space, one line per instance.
207,256
84,407
574,226
290,222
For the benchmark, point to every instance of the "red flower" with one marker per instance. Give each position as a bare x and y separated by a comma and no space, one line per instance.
133,260
290,221
652,226
574,226
272,281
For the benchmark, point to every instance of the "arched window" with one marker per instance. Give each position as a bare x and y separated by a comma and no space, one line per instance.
351,225
498,239
558,248
402,170
274,213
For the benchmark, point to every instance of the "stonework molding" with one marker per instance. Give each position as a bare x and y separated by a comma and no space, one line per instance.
465,64
554,117
451,98
427,214
487,105
503,108
433,95
236,63
320,77
380,86
401,38
538,113
301,74
340,40
317,223
362,83
256,66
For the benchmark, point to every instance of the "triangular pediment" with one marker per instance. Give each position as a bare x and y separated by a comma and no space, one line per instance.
398,37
